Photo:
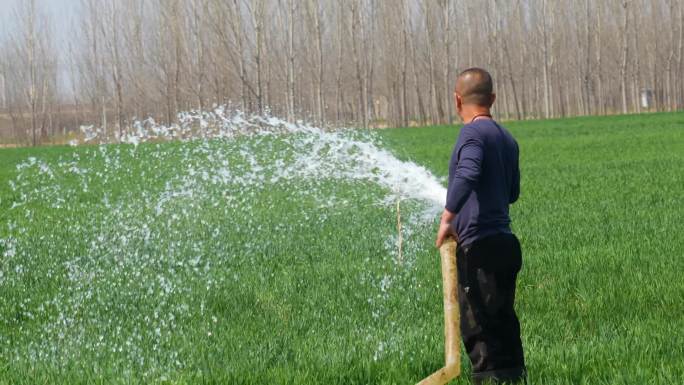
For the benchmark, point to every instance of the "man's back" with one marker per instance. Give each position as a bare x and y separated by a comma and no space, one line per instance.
484,179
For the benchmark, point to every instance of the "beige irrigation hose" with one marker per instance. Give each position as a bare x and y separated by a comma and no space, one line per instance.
452,319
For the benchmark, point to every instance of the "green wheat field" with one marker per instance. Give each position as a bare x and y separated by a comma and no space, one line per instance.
231,261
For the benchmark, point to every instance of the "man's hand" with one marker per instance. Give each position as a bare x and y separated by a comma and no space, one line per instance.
445,229
444,232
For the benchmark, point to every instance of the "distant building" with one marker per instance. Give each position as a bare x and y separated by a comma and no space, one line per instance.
646,98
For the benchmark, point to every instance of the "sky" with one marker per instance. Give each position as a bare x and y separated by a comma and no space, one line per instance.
61,13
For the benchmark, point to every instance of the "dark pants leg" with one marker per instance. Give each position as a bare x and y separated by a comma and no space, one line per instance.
487,271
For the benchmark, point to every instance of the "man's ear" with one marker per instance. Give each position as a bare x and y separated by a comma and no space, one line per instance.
493,98
458,101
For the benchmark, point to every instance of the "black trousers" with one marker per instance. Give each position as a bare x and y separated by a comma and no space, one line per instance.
487,271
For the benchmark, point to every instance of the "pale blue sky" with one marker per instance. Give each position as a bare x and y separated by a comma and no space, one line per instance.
60,11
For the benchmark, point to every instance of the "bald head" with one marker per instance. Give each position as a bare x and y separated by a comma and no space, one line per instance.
475,86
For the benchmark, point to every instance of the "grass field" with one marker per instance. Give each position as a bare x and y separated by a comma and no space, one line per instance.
184,263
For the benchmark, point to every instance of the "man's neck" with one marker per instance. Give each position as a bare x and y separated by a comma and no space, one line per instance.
470,115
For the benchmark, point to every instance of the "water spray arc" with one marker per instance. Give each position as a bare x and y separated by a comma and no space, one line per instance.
145,252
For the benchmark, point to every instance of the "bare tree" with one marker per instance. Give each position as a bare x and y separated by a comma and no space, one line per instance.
359,62
625,51
32,70
546,59
315,16
358,46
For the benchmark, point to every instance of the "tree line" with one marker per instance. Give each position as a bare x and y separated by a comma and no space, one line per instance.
347,63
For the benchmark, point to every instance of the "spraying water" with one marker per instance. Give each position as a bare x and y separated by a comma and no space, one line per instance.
340,154
147,243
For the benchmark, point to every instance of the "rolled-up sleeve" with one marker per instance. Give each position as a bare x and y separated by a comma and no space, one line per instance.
467,172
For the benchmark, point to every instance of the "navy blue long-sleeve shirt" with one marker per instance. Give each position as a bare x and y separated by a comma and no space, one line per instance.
484,179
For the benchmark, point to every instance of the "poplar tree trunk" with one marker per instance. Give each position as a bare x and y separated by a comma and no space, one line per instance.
623,61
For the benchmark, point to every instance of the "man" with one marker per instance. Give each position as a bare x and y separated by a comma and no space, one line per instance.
483,180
